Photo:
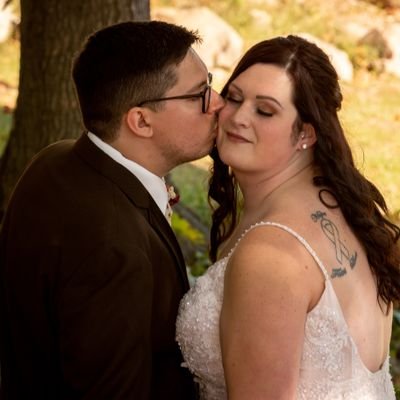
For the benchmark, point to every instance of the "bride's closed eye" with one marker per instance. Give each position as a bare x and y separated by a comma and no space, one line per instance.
265,113
237,100
233,99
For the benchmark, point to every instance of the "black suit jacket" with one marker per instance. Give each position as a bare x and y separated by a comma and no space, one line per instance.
91,279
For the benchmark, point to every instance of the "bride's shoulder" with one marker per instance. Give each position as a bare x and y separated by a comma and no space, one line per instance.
271,252
271,235
268,268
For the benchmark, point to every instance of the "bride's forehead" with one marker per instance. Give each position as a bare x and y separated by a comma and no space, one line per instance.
264,73
264,79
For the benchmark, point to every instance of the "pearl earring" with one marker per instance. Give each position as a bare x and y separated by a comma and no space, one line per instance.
304,146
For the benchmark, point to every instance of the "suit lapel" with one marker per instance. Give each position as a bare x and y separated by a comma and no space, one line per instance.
137,194
163,228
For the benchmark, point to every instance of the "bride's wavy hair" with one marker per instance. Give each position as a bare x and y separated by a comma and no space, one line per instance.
317,98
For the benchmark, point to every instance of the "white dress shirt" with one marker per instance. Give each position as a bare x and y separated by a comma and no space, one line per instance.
153,183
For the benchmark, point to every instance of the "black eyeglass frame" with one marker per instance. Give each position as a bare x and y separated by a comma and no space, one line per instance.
205,96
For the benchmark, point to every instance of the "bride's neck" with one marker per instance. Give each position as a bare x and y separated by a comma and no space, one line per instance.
260,194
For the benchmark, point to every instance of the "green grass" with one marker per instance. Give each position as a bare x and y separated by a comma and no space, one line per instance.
192,185
9,75
371,116
9,62
5,127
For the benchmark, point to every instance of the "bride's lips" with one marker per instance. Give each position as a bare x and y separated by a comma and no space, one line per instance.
234,137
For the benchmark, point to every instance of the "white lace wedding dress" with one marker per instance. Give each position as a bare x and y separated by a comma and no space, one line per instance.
331,368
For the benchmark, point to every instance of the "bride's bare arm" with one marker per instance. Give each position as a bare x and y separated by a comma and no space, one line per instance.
267,294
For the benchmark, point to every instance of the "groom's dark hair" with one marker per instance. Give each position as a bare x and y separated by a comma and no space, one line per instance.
123,65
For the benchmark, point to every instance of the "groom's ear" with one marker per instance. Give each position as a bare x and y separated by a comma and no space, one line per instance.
138,120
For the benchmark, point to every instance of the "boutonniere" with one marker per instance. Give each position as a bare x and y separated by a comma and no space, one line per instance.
173,197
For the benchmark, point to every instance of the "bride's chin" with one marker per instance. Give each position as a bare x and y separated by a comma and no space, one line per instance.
220,150
224,156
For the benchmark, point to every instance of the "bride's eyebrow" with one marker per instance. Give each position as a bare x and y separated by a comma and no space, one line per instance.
258,97
261,97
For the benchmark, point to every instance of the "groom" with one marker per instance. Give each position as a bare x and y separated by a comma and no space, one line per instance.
91,272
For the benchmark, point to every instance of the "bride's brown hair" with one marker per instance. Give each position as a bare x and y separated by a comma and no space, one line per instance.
317,98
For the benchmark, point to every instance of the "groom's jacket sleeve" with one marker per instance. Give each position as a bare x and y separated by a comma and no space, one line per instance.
105,310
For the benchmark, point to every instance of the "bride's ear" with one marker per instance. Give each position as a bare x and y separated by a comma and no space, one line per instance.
139,122
307,137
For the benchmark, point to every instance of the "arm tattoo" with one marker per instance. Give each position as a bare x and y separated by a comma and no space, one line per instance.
332,233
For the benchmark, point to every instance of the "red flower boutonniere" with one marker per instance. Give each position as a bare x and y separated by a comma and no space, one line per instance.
173,198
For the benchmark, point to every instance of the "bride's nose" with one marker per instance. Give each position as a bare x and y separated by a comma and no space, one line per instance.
241,115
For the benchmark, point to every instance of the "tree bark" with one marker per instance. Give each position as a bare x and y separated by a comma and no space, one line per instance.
52,32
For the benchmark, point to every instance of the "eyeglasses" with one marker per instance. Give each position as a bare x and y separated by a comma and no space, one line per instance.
205,96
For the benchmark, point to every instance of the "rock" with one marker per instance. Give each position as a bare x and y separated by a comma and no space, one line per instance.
260,18
386,3
392,35
384,38
376,40
222,46
8,20
356,30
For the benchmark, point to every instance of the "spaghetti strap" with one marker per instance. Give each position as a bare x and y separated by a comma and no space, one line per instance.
293,233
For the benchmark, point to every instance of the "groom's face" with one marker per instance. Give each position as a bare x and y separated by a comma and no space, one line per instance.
183,132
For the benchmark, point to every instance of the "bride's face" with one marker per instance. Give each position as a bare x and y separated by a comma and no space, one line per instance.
256,124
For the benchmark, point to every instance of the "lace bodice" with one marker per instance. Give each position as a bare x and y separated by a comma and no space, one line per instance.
331,368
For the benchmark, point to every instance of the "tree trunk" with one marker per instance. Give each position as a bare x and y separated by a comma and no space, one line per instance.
52,31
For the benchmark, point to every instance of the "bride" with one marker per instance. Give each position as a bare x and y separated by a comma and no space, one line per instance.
299,302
